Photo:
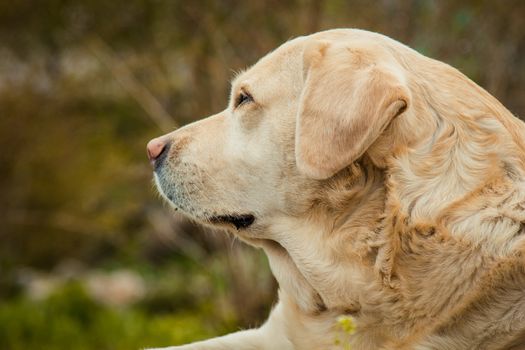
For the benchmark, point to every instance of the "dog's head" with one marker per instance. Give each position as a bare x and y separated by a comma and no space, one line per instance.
296,118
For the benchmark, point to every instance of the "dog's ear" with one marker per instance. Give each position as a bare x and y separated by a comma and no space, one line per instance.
347,101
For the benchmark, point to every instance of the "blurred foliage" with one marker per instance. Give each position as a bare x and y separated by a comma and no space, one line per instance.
71,319
85,84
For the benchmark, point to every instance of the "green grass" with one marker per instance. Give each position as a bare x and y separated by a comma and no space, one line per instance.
70,319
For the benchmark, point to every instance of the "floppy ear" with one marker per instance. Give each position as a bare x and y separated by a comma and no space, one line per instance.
347,101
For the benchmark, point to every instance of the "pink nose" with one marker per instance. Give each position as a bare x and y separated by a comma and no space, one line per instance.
155,148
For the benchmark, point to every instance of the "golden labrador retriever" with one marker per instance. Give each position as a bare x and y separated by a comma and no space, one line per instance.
381,184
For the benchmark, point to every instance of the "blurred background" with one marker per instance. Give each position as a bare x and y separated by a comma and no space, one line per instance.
90,257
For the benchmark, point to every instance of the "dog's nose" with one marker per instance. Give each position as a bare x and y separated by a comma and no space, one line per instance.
155,148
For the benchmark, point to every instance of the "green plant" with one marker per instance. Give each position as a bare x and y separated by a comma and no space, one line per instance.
346,327
70,319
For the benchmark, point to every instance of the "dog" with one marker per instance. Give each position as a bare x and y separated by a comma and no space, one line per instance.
382,185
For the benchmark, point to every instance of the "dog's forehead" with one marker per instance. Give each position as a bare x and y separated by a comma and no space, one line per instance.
287,58
282,63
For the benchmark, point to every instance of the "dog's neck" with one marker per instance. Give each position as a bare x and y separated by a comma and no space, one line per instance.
328,256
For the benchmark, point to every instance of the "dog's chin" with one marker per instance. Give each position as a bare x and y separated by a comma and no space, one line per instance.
237,221
227,221
240,222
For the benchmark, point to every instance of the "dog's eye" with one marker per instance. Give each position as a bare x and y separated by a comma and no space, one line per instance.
243,98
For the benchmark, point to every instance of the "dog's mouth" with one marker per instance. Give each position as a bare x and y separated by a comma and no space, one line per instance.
239,221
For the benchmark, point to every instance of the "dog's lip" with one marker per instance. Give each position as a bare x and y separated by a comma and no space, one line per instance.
239,221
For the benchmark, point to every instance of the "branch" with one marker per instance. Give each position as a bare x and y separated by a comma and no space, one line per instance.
124,76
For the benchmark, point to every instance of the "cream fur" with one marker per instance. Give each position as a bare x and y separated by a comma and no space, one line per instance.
384,184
